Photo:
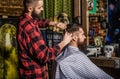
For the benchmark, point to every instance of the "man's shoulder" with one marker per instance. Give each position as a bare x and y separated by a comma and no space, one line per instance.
71,58
24,21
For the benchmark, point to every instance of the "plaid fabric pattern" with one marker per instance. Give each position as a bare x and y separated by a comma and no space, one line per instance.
74,64
32,51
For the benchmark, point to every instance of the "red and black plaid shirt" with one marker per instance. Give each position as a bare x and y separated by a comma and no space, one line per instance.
32,52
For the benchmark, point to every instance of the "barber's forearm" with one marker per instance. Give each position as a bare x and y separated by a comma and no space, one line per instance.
62,44
53,23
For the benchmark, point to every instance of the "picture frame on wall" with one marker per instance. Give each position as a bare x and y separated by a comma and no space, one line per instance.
92,6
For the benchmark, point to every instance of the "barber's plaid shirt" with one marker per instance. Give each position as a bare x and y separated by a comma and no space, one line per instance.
32,52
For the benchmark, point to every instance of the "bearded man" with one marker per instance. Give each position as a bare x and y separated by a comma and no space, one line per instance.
33,53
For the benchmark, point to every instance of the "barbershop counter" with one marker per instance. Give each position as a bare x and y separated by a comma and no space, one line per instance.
109,65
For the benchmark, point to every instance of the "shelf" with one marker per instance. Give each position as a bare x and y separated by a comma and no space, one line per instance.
11,7
96,28
113,62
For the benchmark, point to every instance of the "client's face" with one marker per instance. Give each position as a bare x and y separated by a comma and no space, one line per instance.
81,37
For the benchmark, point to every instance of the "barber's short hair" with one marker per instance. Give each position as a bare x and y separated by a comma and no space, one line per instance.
27,2
71,28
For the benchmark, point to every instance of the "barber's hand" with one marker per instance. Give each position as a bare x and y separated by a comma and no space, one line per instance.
67,38
59,25
62,26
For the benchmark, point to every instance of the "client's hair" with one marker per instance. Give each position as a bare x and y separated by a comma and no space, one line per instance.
71,28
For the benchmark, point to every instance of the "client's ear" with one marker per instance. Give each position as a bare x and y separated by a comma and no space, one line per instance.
74,38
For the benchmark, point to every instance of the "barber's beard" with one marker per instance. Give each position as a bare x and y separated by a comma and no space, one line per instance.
35,15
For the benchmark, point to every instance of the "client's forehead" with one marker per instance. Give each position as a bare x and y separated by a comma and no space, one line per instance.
77,32
80,30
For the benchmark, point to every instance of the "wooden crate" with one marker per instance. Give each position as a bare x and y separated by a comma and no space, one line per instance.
11,7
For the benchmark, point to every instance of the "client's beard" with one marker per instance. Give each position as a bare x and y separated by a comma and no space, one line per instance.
82,47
